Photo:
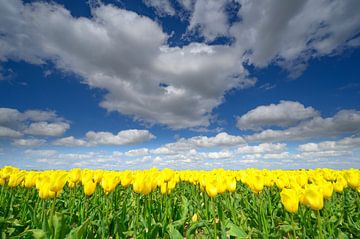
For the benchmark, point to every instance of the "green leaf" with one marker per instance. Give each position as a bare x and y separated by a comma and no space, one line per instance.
234,230
333,219
191,231
78,231
174,233
342,235
286,228
155,228
184,213
57,222
37,233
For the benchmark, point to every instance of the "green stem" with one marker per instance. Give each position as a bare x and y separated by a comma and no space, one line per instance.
292,225
319,224
137,214
43,218
214,212
53,207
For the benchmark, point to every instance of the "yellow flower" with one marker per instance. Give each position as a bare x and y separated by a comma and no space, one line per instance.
340,184
231,185
257,183
194,218
109,183
290,200
2,181
44,191
89,187
313,197
211,190
57,183
327,189
353,178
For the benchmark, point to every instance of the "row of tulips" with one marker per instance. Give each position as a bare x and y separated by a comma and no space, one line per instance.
295,189
309,187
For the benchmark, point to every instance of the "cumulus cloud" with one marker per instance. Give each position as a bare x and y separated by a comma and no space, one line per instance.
70,141
41,152
124,137
343,122
9,133
210,18
218,155
137,152
162,7
222,139
287,33
262,148
175,86
47,129
290,33
92,138
345,144
284,114
29,142
14,123
41,115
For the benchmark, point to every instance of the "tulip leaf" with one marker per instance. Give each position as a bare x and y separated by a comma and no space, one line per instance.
37,233
78,231
234,230
174,233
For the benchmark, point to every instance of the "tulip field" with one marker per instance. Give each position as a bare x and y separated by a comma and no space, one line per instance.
251,203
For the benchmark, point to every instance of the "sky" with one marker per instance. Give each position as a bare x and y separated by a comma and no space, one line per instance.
180,84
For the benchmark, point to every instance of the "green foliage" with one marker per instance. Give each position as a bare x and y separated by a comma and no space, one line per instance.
126,214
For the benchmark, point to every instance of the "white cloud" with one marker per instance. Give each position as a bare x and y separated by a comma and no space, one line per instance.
286,113
125,137
40,115
187,4
137,152
41,152
210,17
29,142
14,123
343,122
9,117
92,138
220,140
162,7
282,155
262,148
289,33
345,144
175,86
117,154
218,155
9,133
47,129
70,141
162,150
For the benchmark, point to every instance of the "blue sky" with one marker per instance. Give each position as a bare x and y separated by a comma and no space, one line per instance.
183,84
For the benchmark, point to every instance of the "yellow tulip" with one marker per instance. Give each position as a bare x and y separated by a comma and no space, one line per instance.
353,178
313,197
290,200
231,185
89,187
194,218
340,184
327,189
211,190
